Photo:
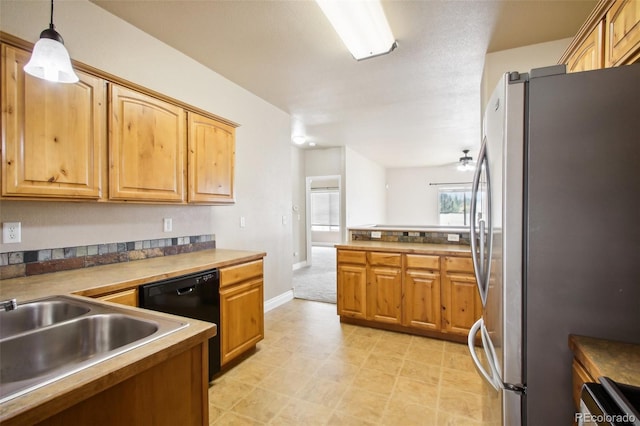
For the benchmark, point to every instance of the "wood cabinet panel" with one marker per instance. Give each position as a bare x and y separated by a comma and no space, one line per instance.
53,134
421,261
352,290
384,294
623,33
241,318
422,300
127,297
211,162
461,305
579,377
236,274
384,259
589,55
146,148
352,256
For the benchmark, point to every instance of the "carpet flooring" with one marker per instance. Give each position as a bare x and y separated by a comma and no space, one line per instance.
318,281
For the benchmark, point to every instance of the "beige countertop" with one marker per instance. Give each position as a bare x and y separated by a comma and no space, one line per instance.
399,247
616,360
68,391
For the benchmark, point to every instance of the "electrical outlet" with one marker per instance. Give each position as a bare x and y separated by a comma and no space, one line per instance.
167,224
11,232
243,222
376,234
453,237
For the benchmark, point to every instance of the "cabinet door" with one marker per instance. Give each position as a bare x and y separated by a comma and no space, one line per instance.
352,285
384,295
211,160
623,33
126,297
461,305
241,318
422,300
53,134
146,148
589,55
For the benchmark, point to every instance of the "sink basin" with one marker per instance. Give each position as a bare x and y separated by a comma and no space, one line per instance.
63,335
68,343
38,314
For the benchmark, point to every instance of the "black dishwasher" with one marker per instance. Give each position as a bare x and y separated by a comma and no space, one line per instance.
196,296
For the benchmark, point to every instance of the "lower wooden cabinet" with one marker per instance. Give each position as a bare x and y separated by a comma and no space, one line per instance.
241,309
417,293
127,297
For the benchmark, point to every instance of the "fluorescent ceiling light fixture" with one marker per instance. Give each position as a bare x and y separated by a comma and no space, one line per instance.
298,140
362,26
50,59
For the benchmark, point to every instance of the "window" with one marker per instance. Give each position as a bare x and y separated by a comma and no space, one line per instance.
325,210
454,205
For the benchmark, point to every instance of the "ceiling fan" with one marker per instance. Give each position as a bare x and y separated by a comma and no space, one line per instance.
466,163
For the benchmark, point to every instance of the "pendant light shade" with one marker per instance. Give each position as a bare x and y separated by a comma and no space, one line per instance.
50,59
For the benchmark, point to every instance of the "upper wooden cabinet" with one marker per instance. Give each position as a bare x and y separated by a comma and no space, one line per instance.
53,135
146,147
610,37
211,160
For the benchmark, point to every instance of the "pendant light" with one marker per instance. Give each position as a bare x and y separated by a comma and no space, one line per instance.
50,59
466,162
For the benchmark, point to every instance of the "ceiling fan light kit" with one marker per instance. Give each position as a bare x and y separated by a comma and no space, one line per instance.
362,26
50,59
466,163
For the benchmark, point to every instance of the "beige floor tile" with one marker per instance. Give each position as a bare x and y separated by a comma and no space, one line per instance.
323,392
285,381
233,419
215,413
470,381
458,361
303,363
425,355
453,347
351,355
412,391
272,355
337,371
297,413
341,419
383,362
362,404
427,373
225,392
428,343
409,415
359,341
261,405
249,371
374,381
461,404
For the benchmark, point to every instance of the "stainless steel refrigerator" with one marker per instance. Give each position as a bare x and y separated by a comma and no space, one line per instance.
558,250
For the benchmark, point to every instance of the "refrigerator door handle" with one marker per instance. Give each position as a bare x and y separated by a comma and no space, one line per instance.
479,255
493,379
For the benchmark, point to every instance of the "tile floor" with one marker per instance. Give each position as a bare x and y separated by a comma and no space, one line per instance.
312,370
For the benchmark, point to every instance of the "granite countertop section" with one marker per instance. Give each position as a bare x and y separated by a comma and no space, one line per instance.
120,276
66,392
400,247
618,361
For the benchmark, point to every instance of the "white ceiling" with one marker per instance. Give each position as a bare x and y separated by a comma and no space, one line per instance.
417,106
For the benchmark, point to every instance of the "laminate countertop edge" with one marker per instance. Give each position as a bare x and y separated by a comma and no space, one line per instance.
618,361
410,248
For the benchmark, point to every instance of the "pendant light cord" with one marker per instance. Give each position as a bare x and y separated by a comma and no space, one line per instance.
51,22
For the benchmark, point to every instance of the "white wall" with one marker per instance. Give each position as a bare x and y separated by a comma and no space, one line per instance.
521,59
365,192
97,38
299,217
410,198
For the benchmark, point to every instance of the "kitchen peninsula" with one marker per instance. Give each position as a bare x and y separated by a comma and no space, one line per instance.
113,387
409,279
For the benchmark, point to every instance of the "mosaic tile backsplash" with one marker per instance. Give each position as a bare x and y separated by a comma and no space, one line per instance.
420,237
33,262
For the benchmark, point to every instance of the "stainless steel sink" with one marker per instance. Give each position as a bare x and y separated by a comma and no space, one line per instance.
38,314
78,335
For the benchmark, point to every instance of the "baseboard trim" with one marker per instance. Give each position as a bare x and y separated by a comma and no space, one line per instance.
281,299
300,265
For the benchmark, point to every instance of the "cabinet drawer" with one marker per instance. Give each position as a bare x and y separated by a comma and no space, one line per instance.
384,259
235,274
418,261
351,256
458,264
